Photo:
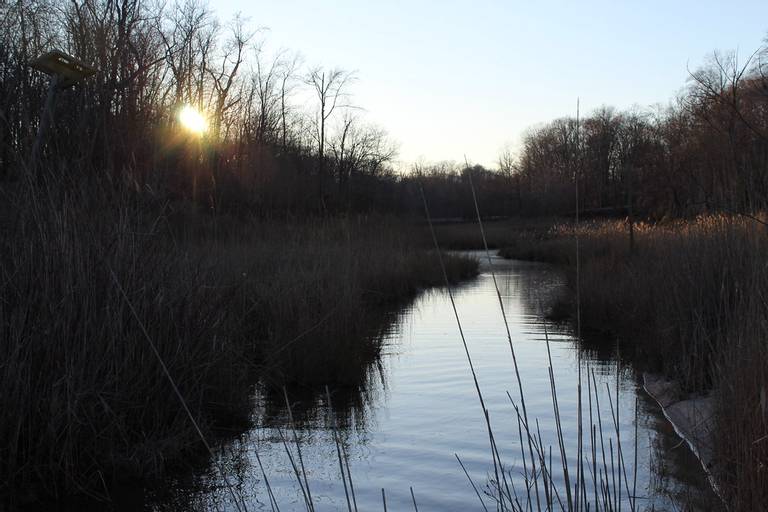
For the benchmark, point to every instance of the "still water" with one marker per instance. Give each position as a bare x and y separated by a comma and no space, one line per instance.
419,409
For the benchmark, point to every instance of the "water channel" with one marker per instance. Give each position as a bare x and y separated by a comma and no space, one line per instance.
419,410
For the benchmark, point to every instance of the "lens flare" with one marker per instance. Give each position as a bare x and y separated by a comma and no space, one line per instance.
193,120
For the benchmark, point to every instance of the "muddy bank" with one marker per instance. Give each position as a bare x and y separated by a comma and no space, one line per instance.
692,415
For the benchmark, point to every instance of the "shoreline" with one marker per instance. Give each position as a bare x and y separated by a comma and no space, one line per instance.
224,312
691,416
684,298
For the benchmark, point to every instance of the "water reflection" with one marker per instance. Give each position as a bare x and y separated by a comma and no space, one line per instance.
417,407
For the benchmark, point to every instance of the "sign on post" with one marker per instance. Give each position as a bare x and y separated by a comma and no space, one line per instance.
67,69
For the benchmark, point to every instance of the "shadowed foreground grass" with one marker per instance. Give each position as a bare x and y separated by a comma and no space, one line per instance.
84,282
691,300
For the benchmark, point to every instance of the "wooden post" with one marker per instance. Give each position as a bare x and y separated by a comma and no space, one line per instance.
45,120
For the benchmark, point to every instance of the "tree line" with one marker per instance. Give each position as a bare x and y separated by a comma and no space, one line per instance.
285,138
282,135
705,152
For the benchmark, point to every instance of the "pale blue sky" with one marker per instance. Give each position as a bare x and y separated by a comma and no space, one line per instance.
447,78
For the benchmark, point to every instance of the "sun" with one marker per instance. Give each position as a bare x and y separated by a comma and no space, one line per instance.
193,120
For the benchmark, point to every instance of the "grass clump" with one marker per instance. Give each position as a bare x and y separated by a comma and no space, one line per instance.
688,299
500,234
86,276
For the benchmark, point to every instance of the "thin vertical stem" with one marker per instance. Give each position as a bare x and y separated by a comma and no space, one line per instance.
272,501
295,469
634,470
474,487
579,464
349,475
506,326
558,424
298,450
338,449
463,338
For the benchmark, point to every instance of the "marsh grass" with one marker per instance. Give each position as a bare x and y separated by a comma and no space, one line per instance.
603,470
602,480
600,475
499,234
538,469
689,301
226,302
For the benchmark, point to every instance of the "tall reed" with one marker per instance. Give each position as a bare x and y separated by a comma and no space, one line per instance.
689,300
572,495
86,268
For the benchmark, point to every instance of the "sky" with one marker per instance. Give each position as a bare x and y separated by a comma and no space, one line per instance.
454,78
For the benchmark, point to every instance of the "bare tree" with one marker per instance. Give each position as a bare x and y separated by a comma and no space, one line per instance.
507,162
287,84
268,82
359,149
188,32
330,89
226,74
509,169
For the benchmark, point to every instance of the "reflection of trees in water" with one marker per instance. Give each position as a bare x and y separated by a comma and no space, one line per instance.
350,402
309,405
536,294
676,478
351,405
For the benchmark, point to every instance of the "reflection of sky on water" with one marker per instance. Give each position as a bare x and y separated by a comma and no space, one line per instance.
420,407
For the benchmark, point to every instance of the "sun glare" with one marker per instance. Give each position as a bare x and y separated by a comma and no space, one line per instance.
192,119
